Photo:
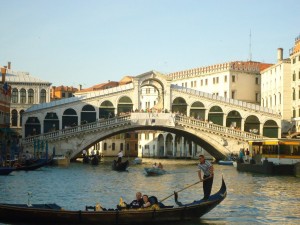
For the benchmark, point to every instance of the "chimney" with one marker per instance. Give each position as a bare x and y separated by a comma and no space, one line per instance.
3,72
279,54
9,65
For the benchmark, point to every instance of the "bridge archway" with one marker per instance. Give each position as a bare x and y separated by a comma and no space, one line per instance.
69,118
158,95
215,115
51,122
125,105
88,114
106,109
270,129
198,110
252,124
32,126
234,119
179,105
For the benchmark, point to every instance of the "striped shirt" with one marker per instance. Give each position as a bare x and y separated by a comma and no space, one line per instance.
205,167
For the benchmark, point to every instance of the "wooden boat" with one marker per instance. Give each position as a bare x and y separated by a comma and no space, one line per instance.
54,214
35,164
6,170
154,171
226,162
122,166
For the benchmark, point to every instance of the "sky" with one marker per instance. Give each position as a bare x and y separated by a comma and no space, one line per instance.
88,42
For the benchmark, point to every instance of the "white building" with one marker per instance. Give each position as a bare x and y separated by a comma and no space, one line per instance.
276,92
295,79
26,91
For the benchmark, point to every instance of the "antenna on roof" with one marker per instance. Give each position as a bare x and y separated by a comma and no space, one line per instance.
250,52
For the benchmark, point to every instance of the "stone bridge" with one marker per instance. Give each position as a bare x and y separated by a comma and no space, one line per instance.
215,139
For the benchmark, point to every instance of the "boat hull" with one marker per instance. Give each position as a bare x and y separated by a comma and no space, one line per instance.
266,168
154,171
53,214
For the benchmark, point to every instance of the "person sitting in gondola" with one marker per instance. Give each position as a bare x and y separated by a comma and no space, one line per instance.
160,166
146,202
137,202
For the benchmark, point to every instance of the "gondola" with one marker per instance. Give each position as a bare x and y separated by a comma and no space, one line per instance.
54,214
35,164
154,171
121,166
6,170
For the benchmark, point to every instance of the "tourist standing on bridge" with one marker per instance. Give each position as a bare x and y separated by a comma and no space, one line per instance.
208,176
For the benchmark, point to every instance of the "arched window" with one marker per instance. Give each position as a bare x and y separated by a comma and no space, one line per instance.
23,96
21,114
30,96
14,118
14,96
43,96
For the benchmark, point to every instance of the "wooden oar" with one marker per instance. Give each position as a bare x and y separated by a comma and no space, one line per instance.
180,190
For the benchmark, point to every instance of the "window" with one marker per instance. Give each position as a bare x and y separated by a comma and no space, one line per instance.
206,82
113,146
225,79
43,96
213,80
201,82
233,78
63,95
294,113
14,96
23,96
233,94
217,80
121,146
294,76
225,94
14,118
30,96
105,146
192,84
294,94
256,97
256,80
146,136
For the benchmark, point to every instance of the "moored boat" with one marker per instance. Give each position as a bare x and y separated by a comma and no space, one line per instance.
54,214
226,162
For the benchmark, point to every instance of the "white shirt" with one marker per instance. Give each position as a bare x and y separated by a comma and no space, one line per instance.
120,154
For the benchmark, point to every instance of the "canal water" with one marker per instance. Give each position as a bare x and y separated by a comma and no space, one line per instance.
251,198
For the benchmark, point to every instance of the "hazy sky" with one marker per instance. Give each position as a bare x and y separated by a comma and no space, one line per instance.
72,42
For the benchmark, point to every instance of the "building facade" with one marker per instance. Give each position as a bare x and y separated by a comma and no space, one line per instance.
26,91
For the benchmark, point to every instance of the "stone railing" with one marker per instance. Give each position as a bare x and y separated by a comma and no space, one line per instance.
210,127
131,119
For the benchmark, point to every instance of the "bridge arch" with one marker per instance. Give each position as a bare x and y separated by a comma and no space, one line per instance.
125,105
234,119
32,126
198,110
270,129
215,115
106,109
69,118
179,105
252,124
88,114
51,122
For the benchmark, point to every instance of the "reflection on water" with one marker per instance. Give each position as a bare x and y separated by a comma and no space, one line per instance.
251,199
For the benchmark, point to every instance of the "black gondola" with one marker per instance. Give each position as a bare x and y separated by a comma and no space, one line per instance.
120,166
54,214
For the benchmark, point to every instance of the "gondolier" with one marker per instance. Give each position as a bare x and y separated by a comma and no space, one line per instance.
208,176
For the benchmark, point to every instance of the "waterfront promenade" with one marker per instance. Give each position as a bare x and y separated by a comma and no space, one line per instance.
251,199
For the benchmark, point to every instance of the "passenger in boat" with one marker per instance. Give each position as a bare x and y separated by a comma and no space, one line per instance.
146,202
208,176
155,165
137,202
160,166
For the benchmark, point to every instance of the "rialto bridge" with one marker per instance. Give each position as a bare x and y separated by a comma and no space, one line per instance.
217,124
